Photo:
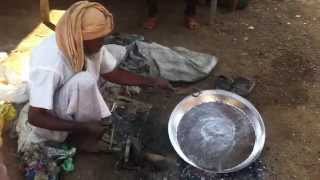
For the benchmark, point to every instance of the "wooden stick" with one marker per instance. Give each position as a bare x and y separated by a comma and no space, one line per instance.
213,10
44,10
45,14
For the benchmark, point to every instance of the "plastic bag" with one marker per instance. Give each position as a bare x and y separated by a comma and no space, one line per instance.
3,56
14,93
12,88
7,114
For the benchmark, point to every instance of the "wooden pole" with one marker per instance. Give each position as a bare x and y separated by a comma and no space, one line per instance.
44,10
45,14
213,10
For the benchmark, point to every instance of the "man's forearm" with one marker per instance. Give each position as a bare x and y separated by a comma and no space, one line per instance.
127,78
43,119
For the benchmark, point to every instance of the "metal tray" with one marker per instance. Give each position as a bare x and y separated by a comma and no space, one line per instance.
227,120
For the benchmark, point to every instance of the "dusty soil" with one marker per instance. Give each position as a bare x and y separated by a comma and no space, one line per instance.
281,53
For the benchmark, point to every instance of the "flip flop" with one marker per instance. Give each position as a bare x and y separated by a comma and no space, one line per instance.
223,82
151,23
191,23
243,86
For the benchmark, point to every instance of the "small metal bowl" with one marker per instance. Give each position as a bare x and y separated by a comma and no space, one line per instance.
232,101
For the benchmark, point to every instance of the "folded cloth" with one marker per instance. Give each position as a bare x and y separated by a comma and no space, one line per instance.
155,60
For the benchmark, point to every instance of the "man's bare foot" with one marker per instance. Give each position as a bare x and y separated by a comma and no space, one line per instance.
151,23
191,23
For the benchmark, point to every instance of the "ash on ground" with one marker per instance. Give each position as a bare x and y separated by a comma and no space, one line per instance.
256,171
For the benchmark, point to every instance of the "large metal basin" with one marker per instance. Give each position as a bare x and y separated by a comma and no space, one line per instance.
223,123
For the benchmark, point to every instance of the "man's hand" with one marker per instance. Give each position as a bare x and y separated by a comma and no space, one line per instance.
163,84
124,77
94,128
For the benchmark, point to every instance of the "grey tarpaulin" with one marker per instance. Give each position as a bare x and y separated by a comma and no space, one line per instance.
155,60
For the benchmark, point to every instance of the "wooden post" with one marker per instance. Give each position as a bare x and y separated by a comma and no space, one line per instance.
45,14
213,10
44,10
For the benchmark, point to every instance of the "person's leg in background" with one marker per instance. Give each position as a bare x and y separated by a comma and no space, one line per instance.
191,8
190,14
151,22
152,8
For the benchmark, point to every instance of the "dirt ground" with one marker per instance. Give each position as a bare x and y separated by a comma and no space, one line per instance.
280,51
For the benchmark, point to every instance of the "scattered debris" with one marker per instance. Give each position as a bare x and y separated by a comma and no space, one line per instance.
256,171
240,85
244,54
251,27
46,161
246,38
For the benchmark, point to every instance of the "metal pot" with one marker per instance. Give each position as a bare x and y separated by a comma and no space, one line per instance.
226,122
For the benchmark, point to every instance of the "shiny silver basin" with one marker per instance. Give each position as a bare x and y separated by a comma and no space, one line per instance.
217,131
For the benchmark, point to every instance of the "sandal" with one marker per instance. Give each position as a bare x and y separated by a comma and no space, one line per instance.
151,23
243,86
191,23
223,82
